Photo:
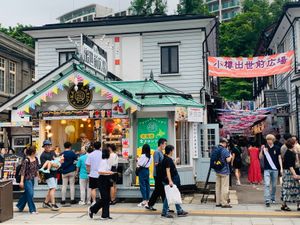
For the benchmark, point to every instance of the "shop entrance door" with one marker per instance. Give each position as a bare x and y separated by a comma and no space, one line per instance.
208,138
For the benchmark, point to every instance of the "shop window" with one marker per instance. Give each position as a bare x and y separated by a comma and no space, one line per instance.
65,56
183,143
2,75
169,59
12,78
208,139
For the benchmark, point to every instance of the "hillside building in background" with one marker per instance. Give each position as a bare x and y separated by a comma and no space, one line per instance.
86,13
227,10
90,13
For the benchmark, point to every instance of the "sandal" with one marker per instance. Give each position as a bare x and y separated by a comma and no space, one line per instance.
285,208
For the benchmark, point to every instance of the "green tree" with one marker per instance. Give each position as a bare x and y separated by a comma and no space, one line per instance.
18,34
148,7
192,7
239,37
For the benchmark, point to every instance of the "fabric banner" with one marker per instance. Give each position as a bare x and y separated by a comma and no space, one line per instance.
250,67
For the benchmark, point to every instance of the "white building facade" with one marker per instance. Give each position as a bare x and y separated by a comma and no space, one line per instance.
172,50
284,88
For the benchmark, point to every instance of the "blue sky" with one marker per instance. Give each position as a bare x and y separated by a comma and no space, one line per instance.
40,12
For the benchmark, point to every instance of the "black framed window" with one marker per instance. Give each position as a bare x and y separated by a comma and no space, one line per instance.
169,59
65,56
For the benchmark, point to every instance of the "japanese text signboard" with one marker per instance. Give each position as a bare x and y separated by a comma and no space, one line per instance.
93,55
250,67
150,130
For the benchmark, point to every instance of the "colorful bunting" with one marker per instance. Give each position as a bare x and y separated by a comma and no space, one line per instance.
80,78
60,86
67,82
109,95
115,99
55,90
26,109
91,85
97,89
38,101
103,92
44,98
85,82
32,105
127,105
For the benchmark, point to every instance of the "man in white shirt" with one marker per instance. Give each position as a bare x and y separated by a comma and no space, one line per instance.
92,163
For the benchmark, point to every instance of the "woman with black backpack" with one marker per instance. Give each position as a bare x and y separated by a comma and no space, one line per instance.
29,171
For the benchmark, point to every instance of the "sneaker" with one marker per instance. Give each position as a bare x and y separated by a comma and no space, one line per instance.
273,202
91,215
63,202
142,204
182,214
73,202
105,218
150,208
46,205
54,207
167,216
171,211
268,205
81,203
219,205
34,213
226,206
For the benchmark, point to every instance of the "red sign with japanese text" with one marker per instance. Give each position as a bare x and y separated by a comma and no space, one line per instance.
260,66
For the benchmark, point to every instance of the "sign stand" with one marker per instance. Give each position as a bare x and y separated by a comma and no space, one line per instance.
206,190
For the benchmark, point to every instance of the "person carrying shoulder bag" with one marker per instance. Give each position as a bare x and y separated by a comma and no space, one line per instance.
29,170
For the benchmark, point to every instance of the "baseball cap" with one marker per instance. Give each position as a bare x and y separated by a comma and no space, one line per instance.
47,142
223,140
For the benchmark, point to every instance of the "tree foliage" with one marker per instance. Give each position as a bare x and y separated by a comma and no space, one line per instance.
18,34
239,37
192,7
148,7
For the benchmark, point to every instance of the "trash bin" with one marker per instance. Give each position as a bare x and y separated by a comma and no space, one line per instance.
6,200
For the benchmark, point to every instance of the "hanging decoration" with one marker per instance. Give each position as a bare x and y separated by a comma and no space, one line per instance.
122,106
259,66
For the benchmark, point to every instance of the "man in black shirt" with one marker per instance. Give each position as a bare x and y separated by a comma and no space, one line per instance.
272,166
170,177
49,155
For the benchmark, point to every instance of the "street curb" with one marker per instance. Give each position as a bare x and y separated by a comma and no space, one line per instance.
219,213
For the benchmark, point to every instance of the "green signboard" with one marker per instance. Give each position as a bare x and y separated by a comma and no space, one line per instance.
150,130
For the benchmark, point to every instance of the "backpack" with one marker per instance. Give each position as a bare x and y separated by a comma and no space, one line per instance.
18,171
215,159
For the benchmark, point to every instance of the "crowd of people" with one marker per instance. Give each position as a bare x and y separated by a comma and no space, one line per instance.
278,162
96,168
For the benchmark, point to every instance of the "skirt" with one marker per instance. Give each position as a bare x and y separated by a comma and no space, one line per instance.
290,191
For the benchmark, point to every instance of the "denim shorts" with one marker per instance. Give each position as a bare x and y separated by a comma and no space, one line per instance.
52,183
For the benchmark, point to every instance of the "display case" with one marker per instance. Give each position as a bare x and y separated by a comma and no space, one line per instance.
9,168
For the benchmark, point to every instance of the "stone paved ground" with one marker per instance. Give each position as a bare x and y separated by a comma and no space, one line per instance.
129,213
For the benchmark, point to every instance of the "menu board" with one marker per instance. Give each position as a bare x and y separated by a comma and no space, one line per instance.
10,165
